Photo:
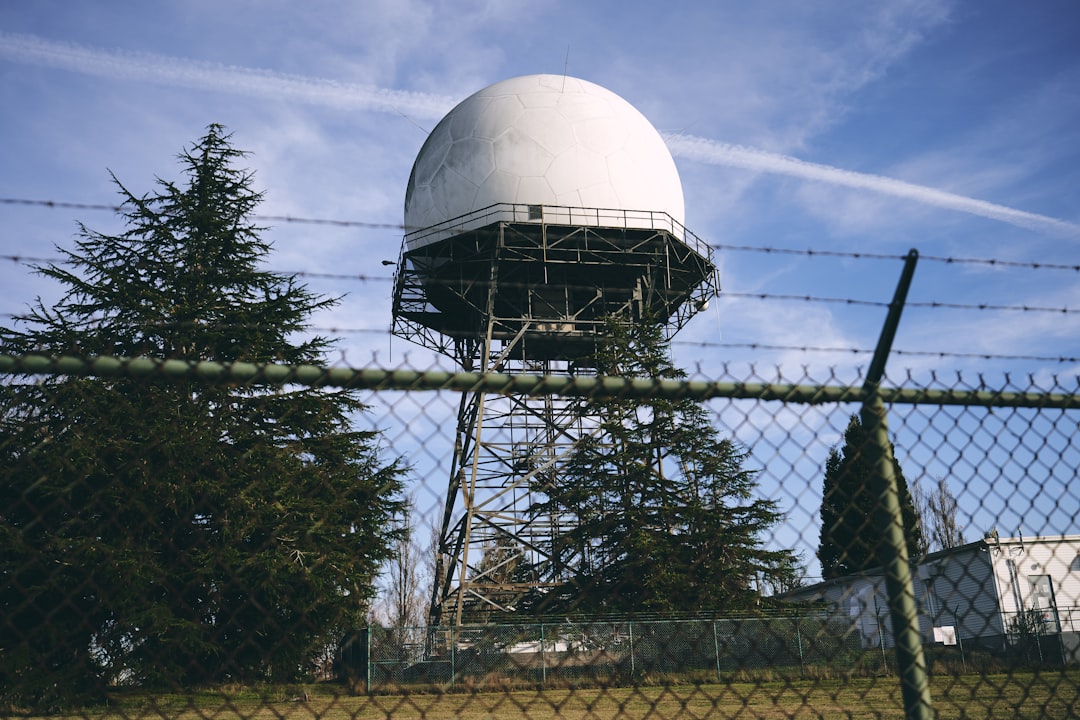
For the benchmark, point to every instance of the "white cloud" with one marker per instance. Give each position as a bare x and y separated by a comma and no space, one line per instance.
776,75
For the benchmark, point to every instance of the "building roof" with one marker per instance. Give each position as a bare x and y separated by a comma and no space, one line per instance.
984,543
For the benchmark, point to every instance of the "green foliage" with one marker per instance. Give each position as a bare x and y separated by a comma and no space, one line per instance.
1027,624
657,512
164,534
850,531
1027,632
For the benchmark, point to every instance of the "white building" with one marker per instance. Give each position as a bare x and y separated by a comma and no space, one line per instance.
984,594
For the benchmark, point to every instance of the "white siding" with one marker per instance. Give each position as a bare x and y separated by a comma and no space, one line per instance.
964,591
1019,564
977,588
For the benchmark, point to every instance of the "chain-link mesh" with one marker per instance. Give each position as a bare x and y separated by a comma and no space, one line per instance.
619,652
993,590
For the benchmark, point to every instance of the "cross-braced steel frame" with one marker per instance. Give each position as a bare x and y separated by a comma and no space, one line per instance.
528,289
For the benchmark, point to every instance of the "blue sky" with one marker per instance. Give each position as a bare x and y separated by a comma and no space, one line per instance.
838,126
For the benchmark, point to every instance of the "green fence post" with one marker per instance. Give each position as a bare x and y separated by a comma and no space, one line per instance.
716,650
911,663
798,641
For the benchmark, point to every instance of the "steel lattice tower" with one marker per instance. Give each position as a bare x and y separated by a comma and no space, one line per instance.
522,287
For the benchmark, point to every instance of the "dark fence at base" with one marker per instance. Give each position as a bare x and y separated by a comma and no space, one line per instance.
611,651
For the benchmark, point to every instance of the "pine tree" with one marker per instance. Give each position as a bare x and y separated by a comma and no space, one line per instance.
850,536
660,512
179,533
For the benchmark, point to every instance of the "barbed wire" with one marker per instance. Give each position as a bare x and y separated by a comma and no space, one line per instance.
58,204
702,344
807,252
931,304
365,278
339,276
1063,359
850,255
358,277
30,259
338,223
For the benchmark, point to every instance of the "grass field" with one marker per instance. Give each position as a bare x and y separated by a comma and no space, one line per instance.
1049,694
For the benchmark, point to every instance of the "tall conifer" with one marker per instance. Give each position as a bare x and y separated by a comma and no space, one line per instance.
178,533
660,512
850,536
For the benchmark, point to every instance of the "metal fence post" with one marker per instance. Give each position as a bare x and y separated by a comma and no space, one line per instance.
543,656
881,635
959,638
367,661
453,652
911,663
798,639
716,650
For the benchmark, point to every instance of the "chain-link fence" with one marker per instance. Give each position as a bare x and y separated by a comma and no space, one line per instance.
149,566
605,653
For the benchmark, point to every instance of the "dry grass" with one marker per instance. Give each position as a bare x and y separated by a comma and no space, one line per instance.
1018,695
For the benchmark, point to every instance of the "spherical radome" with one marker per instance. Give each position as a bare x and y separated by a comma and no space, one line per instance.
542,140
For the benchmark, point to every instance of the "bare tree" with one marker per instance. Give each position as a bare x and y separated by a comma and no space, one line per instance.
405,603
402,609
938,509
431,562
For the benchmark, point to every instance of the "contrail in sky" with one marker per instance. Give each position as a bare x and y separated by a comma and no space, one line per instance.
718,153
179,72
33,50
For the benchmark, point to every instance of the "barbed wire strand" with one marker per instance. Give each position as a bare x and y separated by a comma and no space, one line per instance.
808,252
64,205
726,295
850,255
702,344
932,304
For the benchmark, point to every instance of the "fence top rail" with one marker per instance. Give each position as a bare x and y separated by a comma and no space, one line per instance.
797,613
513,384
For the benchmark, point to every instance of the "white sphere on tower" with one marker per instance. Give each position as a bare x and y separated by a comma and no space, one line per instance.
544,140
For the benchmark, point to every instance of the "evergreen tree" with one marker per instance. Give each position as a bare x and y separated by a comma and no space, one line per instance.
180,533
658,511
850,535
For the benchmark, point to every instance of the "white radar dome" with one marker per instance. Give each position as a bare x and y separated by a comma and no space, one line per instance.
543,140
